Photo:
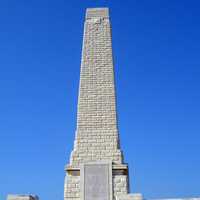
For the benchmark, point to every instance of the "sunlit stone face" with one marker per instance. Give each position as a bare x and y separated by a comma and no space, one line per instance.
96,181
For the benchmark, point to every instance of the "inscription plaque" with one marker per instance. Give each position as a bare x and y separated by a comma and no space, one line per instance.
96,181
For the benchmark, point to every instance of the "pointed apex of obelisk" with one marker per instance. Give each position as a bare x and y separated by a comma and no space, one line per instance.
97,13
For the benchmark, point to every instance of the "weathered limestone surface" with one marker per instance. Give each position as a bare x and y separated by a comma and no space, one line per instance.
97,134
136,196
96,181
97,137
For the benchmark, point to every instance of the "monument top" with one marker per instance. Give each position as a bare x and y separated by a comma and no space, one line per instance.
97,13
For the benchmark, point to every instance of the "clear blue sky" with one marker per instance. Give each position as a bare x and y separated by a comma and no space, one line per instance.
157,63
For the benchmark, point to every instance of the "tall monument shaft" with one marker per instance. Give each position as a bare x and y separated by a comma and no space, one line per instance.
97,136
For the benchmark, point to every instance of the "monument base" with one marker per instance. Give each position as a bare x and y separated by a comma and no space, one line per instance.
136,196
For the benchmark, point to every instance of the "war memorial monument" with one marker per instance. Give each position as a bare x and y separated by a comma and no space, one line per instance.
96,170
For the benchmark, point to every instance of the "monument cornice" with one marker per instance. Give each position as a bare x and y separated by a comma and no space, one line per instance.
117,169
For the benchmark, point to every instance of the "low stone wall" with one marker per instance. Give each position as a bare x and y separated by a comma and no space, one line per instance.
136,196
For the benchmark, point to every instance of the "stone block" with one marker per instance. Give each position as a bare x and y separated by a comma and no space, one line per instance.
136,196
96,181
22,197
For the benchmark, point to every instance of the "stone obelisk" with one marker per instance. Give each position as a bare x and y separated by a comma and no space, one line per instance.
96,170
